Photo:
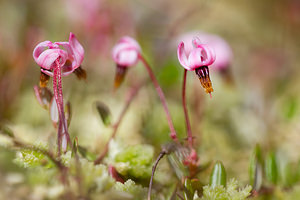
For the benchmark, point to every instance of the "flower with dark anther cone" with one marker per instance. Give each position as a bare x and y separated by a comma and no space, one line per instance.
223,51
125,54
198,59
59,59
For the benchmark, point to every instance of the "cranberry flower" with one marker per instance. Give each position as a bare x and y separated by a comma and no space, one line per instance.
221,47
198,59
69,55
125,53
59,59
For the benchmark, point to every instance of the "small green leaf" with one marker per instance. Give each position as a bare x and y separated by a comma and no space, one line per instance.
75,147
218,175
271,168
104,113
256,168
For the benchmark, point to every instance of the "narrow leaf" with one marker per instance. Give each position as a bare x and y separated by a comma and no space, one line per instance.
104,113
218,175
74,147
271,168
256,168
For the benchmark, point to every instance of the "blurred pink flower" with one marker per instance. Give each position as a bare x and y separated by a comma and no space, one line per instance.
220,46
69,55
126,52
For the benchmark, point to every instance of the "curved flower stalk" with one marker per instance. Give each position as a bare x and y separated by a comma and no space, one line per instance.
126,53
56,60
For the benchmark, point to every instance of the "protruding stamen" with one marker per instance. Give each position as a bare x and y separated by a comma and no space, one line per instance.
119,77
203,74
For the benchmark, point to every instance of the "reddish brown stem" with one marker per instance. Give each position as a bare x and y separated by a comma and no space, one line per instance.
132,94
186,115
161,96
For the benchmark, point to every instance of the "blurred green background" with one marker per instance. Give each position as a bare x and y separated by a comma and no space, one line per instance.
256,101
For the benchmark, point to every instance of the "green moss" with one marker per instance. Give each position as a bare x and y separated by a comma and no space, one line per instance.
135,161
231,192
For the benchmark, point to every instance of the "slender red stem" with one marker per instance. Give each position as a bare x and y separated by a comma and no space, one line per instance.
161,96
131,96
57,89
186,115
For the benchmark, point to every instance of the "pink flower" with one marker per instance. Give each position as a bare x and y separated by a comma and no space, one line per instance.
126,52
68,54
198,58
59,59
222,49
200,55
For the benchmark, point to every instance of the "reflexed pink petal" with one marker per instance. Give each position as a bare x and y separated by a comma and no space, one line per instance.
66,46
40,48
47,72
210,55
195,59
48,57
181,54
66,73
78,50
